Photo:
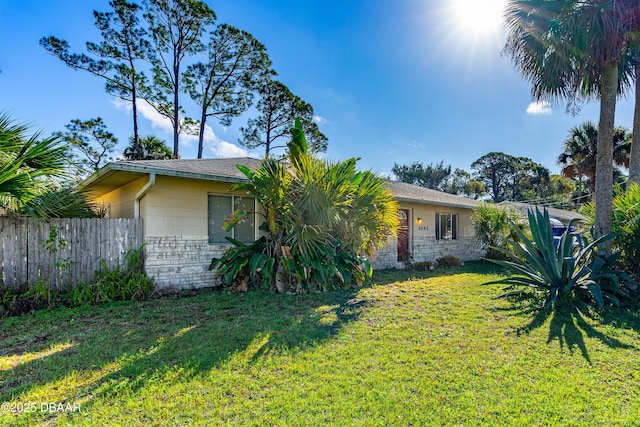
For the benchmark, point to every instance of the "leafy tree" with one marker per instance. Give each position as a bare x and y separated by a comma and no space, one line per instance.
433,176
176,28
151,148
91,139
579,156
34,173
495,171
321,217
123,44
279,108
222,86
510,178
529,178
573,50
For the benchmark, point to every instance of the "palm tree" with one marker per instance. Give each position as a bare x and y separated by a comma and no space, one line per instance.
573,50
579,156
27,164
321,218
150,148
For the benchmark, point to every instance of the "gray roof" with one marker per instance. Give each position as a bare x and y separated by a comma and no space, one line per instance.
560,214
116,174
414,193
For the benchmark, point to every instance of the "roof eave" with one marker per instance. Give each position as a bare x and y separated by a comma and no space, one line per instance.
434,202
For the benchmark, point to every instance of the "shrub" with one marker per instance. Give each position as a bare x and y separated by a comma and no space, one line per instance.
625,222
422,265
449,261
321,219
492,228
572,269
125,282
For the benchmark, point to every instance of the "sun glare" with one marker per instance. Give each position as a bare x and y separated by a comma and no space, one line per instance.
478,17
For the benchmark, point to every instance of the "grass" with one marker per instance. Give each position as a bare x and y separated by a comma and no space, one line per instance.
430,348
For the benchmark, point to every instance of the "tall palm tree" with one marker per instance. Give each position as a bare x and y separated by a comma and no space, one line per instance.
572,50
579,156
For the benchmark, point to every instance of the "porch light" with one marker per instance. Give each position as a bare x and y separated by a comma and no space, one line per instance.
419,221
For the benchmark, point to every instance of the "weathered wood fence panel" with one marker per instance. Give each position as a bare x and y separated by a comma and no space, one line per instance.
63,251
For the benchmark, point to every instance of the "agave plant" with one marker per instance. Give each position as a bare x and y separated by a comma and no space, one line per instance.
568,267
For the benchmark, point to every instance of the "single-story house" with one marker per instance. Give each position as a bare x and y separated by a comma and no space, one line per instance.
561,215
183,204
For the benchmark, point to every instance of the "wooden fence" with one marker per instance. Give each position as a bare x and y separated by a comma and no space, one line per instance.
63,251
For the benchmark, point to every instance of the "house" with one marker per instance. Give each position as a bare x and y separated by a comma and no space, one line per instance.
560,215
432,224
184,202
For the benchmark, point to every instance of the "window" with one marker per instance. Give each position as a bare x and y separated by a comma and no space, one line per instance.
446,226
220,207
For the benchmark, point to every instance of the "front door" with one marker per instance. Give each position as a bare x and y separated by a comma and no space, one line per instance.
403,236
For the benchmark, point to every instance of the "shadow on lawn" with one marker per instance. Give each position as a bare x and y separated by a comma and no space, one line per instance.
569,326
151,339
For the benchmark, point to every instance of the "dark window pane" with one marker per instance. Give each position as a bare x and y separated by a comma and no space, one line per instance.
219,209
245,231
454,226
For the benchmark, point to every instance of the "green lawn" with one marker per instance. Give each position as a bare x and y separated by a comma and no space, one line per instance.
424,349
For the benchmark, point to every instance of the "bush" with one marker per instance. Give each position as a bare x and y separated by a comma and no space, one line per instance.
625,222
321,219
449,261
491,226
422,266
125,282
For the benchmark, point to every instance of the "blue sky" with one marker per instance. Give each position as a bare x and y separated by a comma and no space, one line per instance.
391,81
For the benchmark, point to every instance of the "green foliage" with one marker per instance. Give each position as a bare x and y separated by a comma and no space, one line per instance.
321,219
279,108
491,224
448,261
507,177
626,223
29,166
91,142
149,148
222,86
116,57
434,176
124,282
570,269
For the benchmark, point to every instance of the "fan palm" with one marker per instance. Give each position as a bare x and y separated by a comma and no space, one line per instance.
321,218
573,50
28,165
149,148
579,157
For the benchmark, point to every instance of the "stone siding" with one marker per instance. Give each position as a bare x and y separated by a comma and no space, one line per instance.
181,262
427,248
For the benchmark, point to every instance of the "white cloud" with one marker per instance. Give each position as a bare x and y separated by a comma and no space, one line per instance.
540,107
319,119
217,146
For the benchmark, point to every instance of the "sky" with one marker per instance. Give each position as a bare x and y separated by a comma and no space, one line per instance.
391,81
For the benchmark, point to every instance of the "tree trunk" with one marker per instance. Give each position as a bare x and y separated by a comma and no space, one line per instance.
604,162
176,108
203,120
136,137
634,159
